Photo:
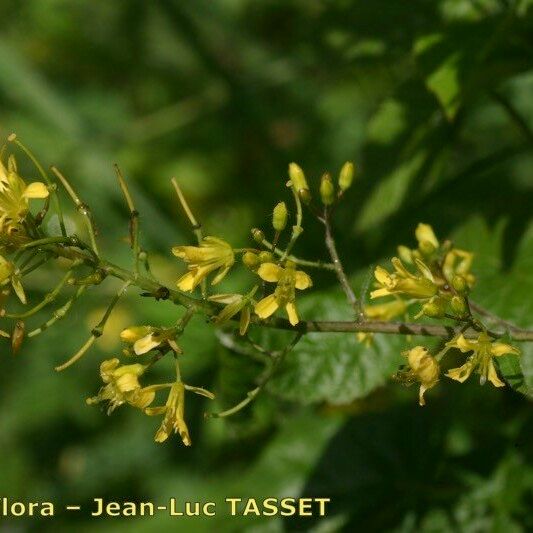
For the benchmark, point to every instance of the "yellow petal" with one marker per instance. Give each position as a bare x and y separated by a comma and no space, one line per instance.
461,373
270,272
378,293
382,276
462,344
292,313
36,190
302,280
493,376
499,348
266,307
142,398
146,344
186,282
424,270
127,383
400,268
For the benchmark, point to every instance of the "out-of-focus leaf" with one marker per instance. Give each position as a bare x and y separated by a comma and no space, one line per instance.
443,77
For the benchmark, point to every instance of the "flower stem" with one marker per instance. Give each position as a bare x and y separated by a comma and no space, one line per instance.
339,269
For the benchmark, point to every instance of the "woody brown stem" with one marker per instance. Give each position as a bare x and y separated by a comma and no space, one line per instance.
158,290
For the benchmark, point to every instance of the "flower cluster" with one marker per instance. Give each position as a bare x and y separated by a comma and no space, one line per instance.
432,280
440,284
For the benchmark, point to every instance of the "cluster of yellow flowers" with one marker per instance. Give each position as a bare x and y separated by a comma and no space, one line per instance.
435,276
440,284
122,387
15,195
216,255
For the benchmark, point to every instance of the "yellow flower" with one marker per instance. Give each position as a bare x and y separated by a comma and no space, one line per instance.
288,279
423,368
9,274
235,303
174,411
147,338
122,386
421,285
484,349
458,263
212,254
15,196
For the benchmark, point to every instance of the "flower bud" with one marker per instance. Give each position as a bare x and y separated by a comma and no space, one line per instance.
266,257
297,177
406,254
134,333
460,284
258,235
435,308
17,336
251,260
327,190
426,248
346,176
459,306
279,216
427,241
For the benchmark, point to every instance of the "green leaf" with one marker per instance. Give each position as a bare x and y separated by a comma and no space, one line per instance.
333,367
442,77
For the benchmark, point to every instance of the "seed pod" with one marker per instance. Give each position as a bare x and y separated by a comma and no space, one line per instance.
251,260
327,190
17,337
279,216
346,176
266,257
258,235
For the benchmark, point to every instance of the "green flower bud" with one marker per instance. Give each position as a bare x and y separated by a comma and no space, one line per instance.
297,177
435,308
299,183
327,190
406,254
258,235
251,260
346,176
459,306
460,284
279,216
266,257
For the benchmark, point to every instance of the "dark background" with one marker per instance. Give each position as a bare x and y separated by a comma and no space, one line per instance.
431,99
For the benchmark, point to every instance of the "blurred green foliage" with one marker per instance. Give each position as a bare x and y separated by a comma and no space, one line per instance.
430,98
